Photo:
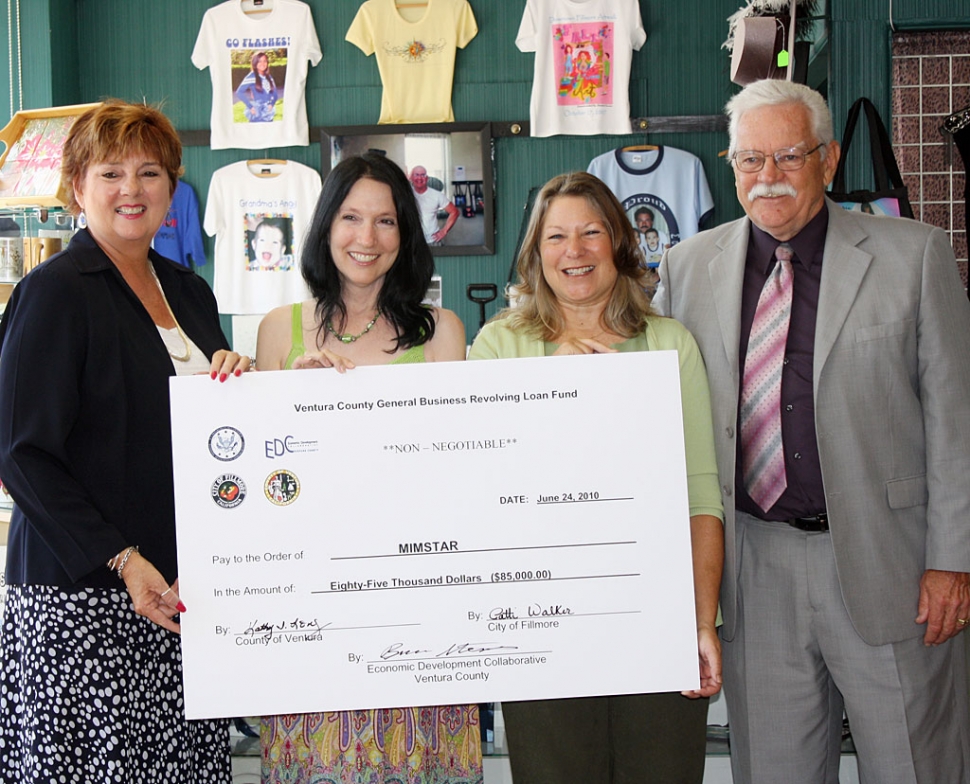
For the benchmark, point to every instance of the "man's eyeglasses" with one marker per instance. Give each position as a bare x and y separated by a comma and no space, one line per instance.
790,159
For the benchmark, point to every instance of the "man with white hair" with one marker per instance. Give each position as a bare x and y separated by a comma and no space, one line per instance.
838,350
430,203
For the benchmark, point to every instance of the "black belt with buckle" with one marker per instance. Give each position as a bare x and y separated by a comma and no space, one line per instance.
813,524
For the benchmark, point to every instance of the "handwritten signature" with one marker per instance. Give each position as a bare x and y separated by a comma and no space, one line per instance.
263,629
534,610
397,650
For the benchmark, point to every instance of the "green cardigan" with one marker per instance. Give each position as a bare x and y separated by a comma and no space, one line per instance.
498,341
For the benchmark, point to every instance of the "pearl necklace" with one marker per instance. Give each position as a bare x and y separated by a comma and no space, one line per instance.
349,338
185,341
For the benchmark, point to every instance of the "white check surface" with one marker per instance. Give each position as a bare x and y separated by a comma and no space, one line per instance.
462,532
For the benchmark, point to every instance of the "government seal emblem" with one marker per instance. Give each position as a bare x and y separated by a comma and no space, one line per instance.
226,443
282,487
228,491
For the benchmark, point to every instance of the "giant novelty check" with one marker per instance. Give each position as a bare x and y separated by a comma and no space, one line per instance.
446,533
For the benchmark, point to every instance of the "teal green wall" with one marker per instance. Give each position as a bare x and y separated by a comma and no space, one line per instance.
65,61
35,42
137,49
144,49
48,55
861,49
83,50
5,83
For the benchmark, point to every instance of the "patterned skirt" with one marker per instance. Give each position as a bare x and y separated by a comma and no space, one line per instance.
92,692
435,745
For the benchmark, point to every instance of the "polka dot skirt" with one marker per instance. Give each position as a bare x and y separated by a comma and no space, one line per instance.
91,692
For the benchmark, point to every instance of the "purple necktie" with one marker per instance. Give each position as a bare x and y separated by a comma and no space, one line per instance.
762,453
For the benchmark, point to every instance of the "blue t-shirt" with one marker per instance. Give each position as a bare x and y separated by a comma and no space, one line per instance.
179,238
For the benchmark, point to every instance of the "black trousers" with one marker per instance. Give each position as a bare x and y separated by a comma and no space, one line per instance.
627,739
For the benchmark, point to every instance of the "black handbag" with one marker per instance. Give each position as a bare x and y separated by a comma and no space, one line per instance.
890,196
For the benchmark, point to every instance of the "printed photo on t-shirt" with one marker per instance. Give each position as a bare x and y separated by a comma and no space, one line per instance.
583,55
269,242
258,77
655,225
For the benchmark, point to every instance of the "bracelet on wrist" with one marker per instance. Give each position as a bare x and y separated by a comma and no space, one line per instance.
118,563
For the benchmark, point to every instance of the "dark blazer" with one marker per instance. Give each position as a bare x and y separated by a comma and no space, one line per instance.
892,402
85,440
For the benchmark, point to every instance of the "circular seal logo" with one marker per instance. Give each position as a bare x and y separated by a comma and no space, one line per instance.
226,443
282,487
228,491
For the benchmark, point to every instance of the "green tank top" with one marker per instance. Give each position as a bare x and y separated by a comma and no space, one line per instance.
412,356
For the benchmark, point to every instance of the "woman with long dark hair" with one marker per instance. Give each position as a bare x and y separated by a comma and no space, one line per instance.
368,267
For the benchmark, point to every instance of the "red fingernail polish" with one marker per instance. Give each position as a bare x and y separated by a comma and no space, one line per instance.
180,607
222,377
213,375
238,373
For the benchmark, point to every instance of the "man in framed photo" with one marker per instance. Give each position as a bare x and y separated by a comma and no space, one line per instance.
430,203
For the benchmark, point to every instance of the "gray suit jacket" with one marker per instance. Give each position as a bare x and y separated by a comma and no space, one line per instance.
892,402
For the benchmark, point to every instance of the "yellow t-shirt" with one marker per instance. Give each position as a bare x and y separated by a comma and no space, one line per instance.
416,50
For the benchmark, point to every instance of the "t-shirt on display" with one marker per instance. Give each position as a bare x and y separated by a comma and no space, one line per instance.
258,66
584,50
415,51
259,214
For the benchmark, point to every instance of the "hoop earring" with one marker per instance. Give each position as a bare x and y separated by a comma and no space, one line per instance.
82,220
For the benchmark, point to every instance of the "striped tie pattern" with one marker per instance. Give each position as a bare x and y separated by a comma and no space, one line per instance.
762,455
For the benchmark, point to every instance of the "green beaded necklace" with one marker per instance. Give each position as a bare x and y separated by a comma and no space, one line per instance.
348,338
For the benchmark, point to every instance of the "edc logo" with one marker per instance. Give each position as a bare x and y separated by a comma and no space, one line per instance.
288,445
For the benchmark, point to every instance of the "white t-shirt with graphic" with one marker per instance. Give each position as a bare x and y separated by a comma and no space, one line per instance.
259,215
258,67
415,51
664,189
584,50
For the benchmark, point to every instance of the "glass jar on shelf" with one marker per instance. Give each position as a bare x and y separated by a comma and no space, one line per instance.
29,236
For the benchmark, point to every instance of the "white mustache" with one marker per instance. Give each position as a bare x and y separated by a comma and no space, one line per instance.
763,190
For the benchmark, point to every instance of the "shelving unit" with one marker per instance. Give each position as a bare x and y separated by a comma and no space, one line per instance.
28,235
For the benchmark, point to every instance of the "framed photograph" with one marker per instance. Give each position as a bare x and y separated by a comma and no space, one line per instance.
450,169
